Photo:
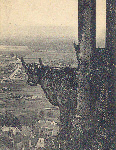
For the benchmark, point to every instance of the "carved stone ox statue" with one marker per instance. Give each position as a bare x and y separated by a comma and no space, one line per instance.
60,86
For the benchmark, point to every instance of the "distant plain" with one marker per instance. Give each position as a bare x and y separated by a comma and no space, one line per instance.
58,53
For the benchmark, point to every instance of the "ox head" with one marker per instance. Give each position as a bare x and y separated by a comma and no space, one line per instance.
34,72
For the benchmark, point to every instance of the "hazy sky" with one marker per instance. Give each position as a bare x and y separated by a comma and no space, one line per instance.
18,16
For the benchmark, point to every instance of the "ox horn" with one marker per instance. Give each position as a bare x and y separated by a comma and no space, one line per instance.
23,63
40,62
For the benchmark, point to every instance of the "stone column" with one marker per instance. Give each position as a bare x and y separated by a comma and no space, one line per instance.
110,50
87,27
110,25
87,45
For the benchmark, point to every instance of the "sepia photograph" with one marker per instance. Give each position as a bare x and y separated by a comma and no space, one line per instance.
57,74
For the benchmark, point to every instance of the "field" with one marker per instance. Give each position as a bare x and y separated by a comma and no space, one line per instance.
29,103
